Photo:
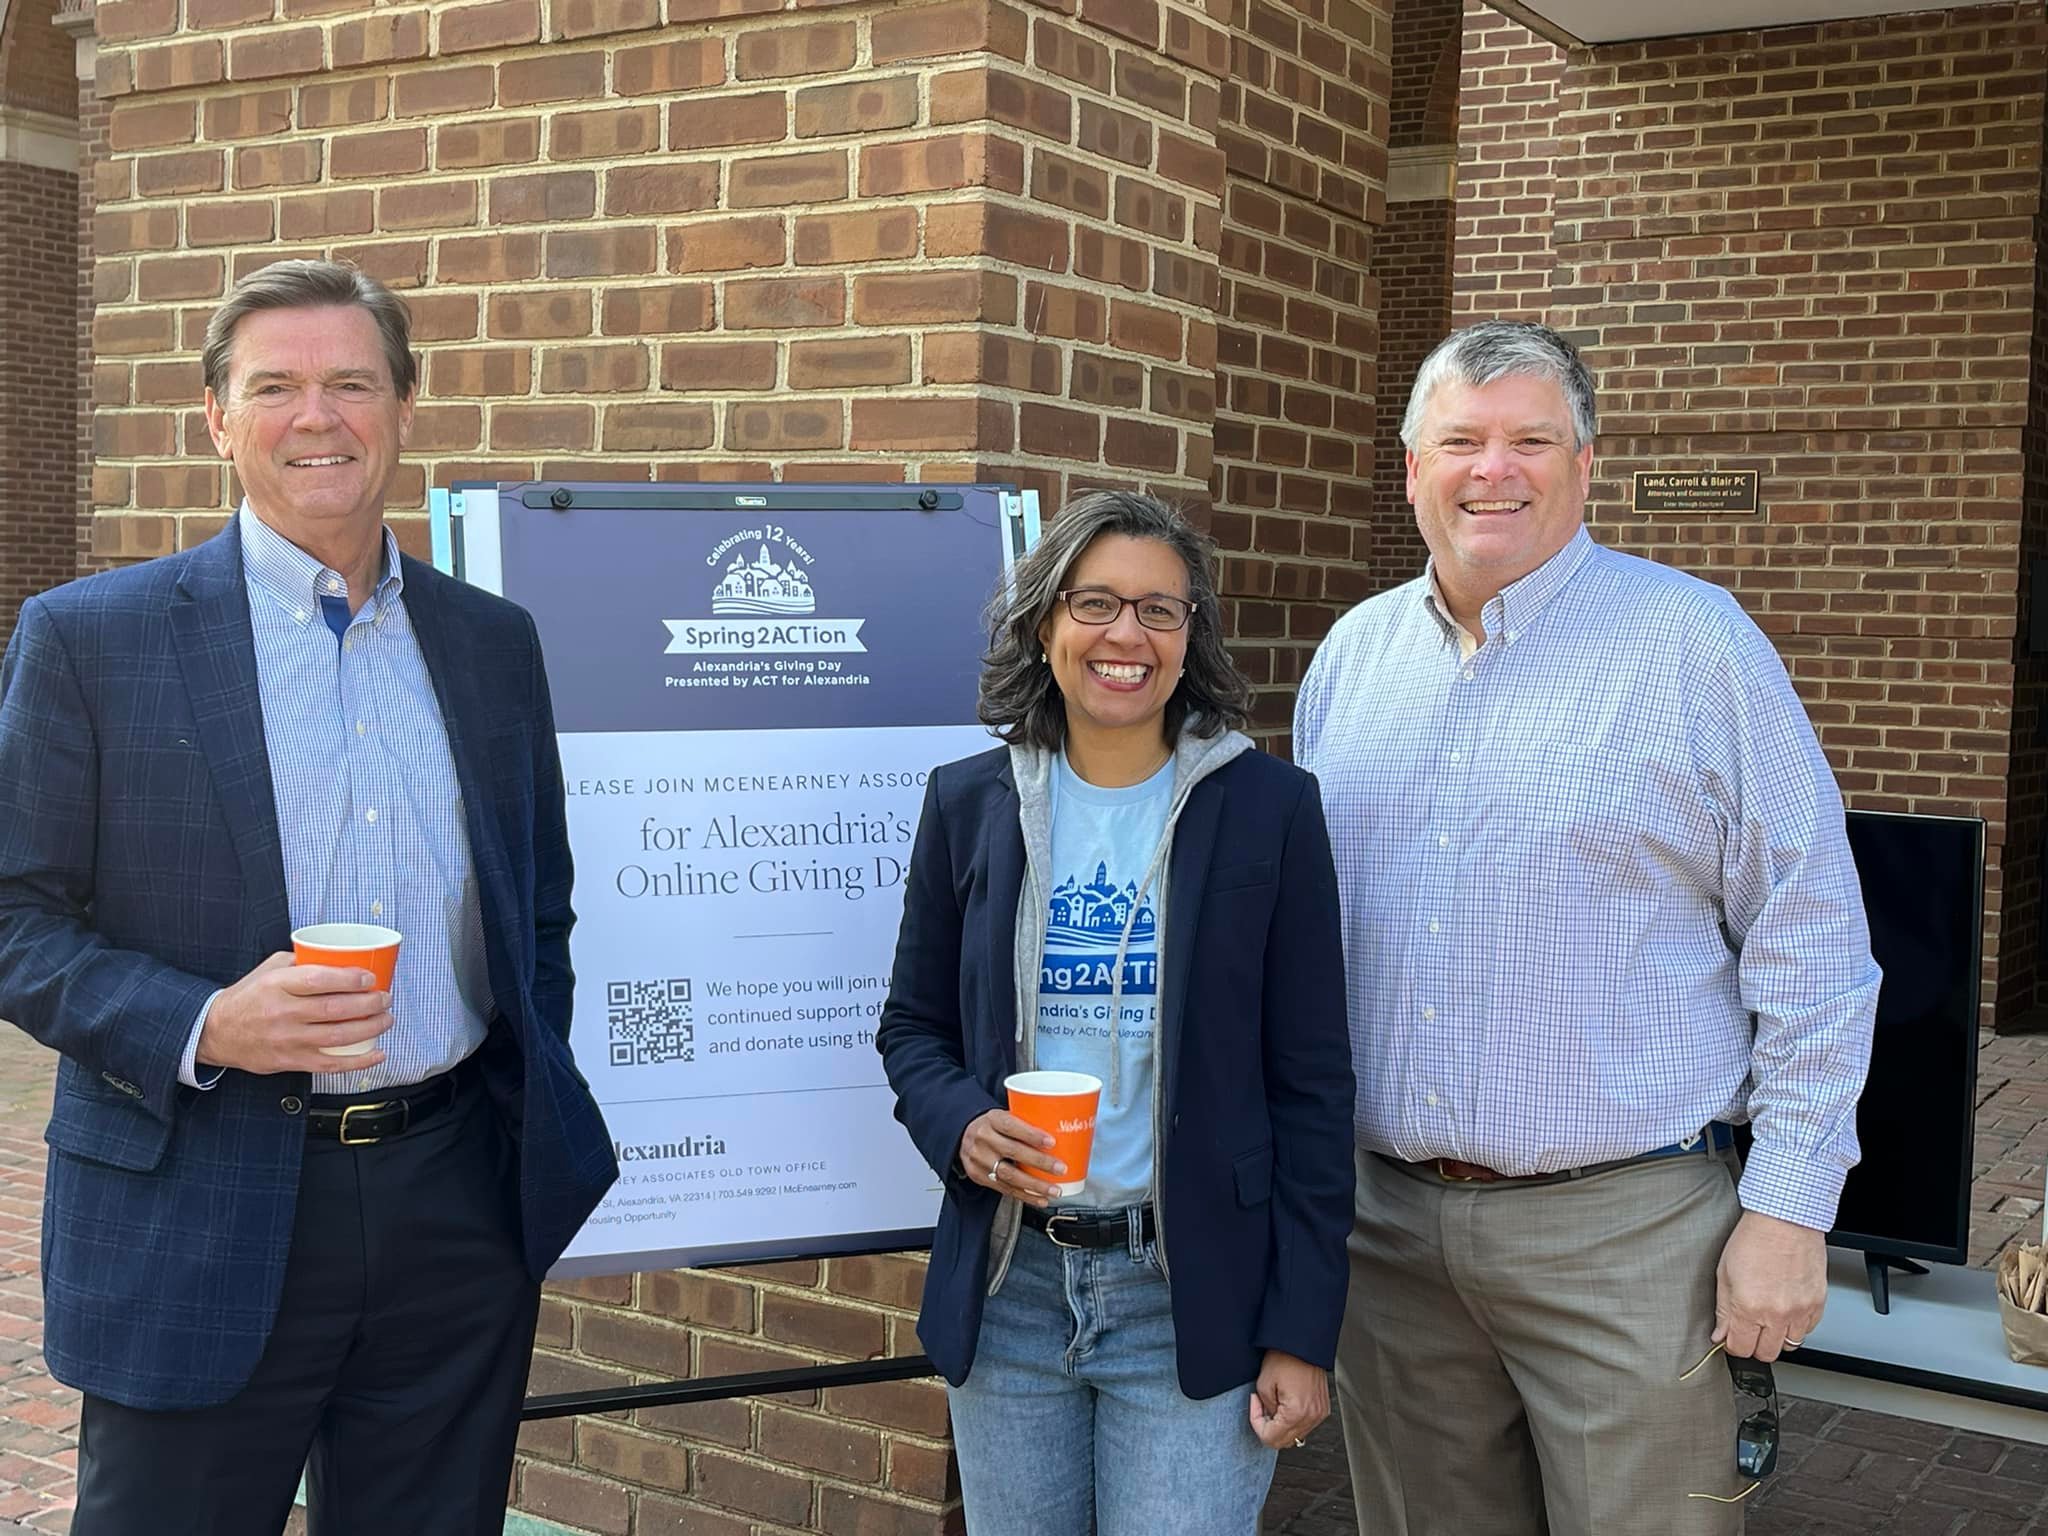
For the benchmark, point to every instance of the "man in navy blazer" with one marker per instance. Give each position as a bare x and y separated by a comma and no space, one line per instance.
260,1255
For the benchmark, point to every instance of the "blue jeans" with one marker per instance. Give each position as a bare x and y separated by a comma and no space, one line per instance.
1073,1419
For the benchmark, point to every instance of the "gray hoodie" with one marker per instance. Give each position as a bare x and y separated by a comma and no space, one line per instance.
1194,759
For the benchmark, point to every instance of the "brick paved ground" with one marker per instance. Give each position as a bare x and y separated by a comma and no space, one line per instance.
1843,1472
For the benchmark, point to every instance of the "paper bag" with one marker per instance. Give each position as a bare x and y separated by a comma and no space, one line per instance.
2023,1302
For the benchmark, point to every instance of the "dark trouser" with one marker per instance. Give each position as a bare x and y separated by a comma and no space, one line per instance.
393,1374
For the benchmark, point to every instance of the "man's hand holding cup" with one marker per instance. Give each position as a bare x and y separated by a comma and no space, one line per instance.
297,1012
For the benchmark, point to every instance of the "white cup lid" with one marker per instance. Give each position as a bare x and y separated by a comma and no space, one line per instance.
346,936
1053,1082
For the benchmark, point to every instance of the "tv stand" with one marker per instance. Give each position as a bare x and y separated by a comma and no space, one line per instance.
1878,1267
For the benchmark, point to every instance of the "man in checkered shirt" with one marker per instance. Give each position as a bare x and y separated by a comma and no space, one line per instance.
1598,908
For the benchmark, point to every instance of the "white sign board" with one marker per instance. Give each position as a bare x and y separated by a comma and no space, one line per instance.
751,686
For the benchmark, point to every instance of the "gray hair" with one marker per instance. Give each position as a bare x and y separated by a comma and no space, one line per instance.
1018,695
1498,349
311,285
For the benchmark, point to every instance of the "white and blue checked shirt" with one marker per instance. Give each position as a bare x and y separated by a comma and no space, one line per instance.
369,812
1595,884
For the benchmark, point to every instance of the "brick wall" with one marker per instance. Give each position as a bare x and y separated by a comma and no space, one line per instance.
38,395
725,239
2022,962
1303,132
1508,103
904,241
1808,252
35,61
1413,263
38,336
78,18
1412,258
867,1459
1428,49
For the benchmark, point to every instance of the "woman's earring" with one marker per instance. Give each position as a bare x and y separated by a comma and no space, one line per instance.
1044,660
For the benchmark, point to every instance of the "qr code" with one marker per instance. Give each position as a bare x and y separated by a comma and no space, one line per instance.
650,1022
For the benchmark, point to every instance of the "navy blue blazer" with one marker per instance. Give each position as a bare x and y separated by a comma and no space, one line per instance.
140,869
1255,1059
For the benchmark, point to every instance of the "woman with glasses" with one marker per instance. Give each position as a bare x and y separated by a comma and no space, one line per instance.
1126,889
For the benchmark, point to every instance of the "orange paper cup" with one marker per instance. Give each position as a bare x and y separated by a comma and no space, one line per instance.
372,948
1063,1103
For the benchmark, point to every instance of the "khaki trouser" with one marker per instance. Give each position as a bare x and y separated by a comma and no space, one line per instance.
1511,1354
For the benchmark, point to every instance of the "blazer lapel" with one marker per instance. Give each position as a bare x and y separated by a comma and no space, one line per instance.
216,651
1194,845
1003,839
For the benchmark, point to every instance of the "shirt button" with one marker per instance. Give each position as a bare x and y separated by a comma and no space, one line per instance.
1457,756
348,642
1429,1013
1431,1101
370,815
1467,675
290,1104
362,728
299,614
1435,926
376,909
1441,842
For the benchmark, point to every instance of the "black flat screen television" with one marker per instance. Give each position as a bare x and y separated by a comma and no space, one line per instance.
1923,889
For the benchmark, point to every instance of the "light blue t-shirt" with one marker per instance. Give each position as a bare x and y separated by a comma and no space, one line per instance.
1103,841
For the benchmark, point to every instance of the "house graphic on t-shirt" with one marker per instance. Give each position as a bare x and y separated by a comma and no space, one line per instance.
1093,915
1084,931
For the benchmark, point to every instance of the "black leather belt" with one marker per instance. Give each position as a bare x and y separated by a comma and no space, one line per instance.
396,1111
1719,1136
1107,1229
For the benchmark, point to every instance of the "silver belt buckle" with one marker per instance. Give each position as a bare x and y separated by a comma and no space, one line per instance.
1052,1223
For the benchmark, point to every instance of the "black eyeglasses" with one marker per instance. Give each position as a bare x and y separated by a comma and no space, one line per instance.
1099,606
1756,1437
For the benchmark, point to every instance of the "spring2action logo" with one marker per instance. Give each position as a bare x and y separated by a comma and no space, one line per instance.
762,603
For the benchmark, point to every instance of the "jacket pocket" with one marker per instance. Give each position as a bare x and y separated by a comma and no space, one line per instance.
116,1132
1236,876
1254,1174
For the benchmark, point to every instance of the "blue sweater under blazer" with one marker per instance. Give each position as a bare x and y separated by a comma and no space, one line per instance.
1255,1059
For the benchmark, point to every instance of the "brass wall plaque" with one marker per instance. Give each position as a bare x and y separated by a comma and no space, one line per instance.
1695,490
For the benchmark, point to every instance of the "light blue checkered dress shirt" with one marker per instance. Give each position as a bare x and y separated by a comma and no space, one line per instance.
1595,884
368,808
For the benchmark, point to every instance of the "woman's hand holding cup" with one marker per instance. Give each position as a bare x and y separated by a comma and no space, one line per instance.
1000,1152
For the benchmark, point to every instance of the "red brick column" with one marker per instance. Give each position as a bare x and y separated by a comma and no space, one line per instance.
38,283
1304,133
1413,256
1508,106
